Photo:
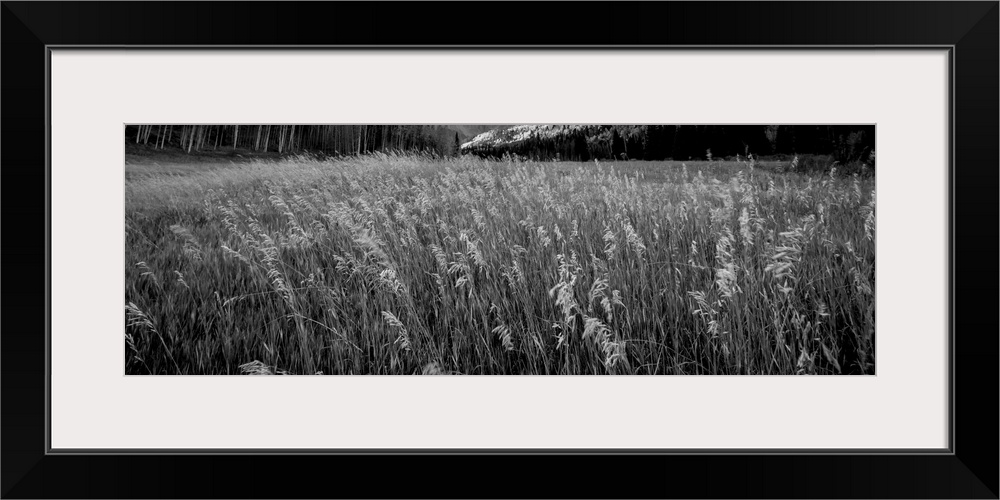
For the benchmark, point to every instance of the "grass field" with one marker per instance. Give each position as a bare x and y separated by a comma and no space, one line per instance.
415,265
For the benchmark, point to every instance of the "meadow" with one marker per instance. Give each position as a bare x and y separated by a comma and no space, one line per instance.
412,264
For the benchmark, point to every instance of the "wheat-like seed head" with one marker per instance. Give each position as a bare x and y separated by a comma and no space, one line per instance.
404,337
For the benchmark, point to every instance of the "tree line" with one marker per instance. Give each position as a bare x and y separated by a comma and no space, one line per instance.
326,139
846,143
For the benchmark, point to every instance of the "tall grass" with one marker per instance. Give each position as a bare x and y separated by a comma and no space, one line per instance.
390,264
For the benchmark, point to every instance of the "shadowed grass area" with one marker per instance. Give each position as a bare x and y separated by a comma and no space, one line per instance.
411,264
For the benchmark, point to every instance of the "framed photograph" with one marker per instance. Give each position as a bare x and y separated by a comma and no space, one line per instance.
508,241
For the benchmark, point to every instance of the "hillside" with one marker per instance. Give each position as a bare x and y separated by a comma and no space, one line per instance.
663,142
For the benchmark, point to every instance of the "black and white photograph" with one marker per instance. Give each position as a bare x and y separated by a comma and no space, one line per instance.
661,215
527,249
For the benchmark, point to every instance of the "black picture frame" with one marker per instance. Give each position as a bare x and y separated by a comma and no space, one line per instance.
968,30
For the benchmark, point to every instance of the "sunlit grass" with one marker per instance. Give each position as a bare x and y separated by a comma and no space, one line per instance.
410,264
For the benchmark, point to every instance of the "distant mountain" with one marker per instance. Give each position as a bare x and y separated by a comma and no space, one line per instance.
507,136
577,142
467,132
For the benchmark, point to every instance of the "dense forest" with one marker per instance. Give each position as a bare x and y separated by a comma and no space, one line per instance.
845,143
325,139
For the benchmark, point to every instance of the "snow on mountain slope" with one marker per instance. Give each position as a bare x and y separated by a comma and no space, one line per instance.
517,133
